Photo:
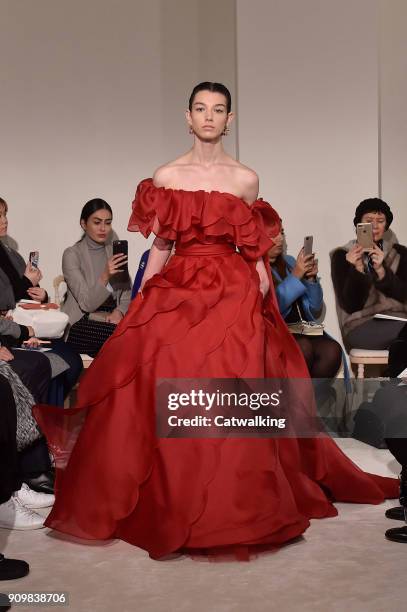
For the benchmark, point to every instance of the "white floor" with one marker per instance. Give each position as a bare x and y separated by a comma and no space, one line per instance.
342,564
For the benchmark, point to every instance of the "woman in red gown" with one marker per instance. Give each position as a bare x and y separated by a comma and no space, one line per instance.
210,312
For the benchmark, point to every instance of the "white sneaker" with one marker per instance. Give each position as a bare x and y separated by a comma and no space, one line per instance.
13,515
33,499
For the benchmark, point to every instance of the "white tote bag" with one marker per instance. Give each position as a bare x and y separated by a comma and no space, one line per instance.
45,323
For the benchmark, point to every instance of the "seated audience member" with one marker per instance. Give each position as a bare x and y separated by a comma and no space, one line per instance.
98,293
300,298
371,282
10,569
19,280
17,500
32,376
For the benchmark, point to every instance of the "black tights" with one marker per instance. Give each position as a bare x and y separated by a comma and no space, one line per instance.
322,354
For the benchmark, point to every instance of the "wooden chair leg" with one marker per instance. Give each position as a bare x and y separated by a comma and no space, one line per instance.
361,370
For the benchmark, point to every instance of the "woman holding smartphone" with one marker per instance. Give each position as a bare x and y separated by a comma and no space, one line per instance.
300,298
371,281
99,291
210,312
18,281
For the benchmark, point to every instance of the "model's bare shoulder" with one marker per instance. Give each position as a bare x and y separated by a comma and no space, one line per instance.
249,181
168,174
163,176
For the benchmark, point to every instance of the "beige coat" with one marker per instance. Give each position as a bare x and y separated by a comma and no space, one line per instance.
85,292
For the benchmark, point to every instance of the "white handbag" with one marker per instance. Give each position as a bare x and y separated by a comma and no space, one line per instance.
45,323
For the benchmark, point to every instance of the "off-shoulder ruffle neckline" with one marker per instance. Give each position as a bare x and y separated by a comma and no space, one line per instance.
149,182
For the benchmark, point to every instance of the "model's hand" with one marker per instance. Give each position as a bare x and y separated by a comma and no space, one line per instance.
114,265
303,265
37,293
377,257
5,354
313,272
115,316
33,274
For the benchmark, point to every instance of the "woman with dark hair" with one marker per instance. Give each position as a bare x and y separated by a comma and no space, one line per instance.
209,312
371,282
300,298
98,293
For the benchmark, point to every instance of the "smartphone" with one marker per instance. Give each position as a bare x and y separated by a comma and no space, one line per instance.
34,258
121,247
364,233
308,242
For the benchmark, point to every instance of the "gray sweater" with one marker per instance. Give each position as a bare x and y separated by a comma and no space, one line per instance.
82,265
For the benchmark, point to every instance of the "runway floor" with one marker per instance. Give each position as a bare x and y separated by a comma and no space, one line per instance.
342,564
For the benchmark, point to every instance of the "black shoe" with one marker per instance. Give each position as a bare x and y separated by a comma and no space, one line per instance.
44,483
397,534
397,513
10,569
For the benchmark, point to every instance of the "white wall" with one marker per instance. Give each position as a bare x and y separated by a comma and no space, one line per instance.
93,95
92,100
307,86
393,98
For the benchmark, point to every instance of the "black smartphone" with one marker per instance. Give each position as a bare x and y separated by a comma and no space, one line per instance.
121,247
34,258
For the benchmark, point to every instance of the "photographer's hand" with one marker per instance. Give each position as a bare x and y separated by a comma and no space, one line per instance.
355,257
303,265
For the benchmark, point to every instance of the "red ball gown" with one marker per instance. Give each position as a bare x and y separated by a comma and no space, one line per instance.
203,316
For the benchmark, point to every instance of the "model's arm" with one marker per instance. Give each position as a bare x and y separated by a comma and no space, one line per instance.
264,279
159,254
250,193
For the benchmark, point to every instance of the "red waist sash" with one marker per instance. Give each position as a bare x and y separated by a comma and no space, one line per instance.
205,250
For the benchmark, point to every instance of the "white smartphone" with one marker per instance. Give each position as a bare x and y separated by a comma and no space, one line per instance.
308,244
364,233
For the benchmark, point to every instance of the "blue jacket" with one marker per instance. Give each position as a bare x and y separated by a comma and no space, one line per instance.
291,288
